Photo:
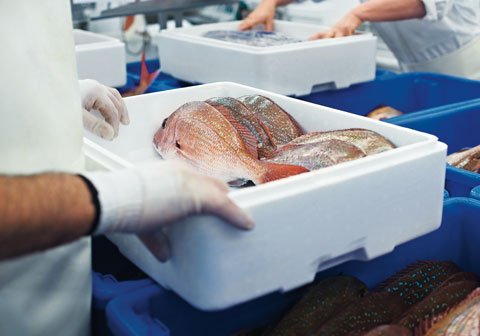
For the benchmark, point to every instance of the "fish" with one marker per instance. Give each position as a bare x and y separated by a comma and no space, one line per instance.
229,106
388,330
368,141
442,298
201,136
361,315
316,155
282,126
463,319
468,159
319,303
383,112
417,280
146,79
256,38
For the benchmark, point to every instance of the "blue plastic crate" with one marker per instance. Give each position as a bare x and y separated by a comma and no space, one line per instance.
475,193
154,311
161,83
409,92
113,275
458,128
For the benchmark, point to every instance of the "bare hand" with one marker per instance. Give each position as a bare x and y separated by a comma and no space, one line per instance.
345,27
264,13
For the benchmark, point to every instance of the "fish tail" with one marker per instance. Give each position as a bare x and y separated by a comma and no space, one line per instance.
275,171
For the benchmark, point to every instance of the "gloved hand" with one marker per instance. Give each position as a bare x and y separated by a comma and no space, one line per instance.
108,102
346,26
264,13
144,199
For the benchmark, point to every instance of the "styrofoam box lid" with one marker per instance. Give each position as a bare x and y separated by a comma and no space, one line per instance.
300,31
305,223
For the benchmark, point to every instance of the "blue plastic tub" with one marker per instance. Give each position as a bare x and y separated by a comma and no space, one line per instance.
153,311
458,128
161,83
408,92
475,193
113,275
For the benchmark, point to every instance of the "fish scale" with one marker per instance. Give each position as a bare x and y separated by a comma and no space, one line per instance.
369,141
246,117
319,302
200,135
283,128
442,298
418,280
316,155
463,319
362,315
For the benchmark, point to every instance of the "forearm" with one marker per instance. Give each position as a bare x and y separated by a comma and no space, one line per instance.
42,211
389,10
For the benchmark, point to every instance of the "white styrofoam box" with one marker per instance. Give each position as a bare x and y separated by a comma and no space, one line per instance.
356,210
101,58
290,69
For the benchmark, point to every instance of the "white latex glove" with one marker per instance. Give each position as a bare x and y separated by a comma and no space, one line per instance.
108,102
144,199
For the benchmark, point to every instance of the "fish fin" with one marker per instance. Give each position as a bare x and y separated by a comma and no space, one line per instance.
237,183
299,128
248,138
427,324
275,171
146,79
409,268
261,123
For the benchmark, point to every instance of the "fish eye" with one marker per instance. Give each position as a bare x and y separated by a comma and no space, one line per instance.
177,144
164,122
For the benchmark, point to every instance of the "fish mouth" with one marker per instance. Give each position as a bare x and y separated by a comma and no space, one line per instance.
158,150
156,146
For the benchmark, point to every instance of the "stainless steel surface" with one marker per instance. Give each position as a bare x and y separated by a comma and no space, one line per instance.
156,6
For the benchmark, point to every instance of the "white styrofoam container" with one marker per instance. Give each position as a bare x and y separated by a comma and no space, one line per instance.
290,69
101,58
356,210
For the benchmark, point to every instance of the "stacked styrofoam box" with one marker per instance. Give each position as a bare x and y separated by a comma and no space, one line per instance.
306,223
290,69
101,58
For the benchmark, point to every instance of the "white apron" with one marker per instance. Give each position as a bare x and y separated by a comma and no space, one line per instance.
46,293
463,62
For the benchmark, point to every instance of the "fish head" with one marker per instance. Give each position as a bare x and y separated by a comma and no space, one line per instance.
164,138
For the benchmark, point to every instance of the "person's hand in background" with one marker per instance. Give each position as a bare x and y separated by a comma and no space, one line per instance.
263,14
143,200
346,26
110,104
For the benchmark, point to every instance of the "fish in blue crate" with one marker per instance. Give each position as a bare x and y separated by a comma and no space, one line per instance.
410,302
256,38
467,159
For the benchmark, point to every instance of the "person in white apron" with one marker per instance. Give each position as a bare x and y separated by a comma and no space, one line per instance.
46,216
440,36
